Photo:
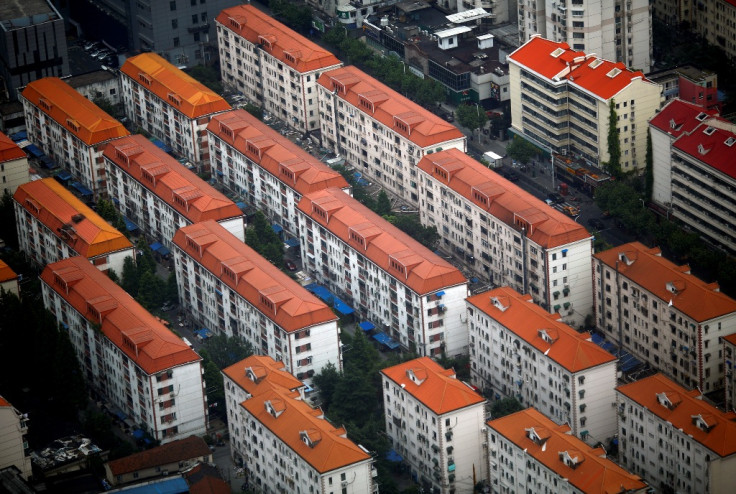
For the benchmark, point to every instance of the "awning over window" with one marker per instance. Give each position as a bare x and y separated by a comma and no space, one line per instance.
366,326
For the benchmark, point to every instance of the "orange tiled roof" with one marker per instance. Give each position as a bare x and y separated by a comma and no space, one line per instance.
556,61
277,154
205,479
593,474
73,111
690,295
4,402
189,448
572,350
54,206
684,408
731,338
253,277
489,191
170,179
439,390
130,327
267,373
679,117
424,271
6,272
9,150
421,126
279,41
175,87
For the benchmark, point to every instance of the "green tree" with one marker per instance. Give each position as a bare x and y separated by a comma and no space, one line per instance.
172,288
151,290
261,238
130,277
505,406
106,105
145,261
225,350
336,35
383,204
298,17
522,150
471,116
325,382
649,173
613,165
215,386
207,75
429,92
8,231
254,110
409,224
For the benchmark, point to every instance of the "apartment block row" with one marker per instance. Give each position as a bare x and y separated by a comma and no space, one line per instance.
389,277
510,237
285,444
227,286
694,178
13,165
14,449
126,354
272,65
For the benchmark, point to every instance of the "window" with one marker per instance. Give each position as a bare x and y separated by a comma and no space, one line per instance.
174,23
195,18
176,41
172,6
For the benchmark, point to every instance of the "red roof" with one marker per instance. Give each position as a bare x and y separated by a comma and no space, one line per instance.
669,282
509,203
130,327
290,306
731,338
547,442
189,448
681,408
552,60
9,150
70,219
276,154
6,272
73,111
274,38
713,142
679,117
173,86
572,350
435,387
205,479
393,110
389,248
259,371
171,181
4,403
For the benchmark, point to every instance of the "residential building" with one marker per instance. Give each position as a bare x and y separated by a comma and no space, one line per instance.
561,102
33,45
673,438
517,349
506,235
70,129
166,459
126,354
716,23
689,83
662,314
12,118
378,131
284,443
530,453
694,178
9,279
53,225
229,287
272,65
170,105
672,12
103,84
13,165
14,450
160,194
499,12
619,31
265,168
435,422
389,277
729,364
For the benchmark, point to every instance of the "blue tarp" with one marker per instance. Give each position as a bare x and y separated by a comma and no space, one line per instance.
366,326
130,225
203,333
121,415
31,148
156,246
277,228
292,242
626,361
138,434
327,296
342,307
163,486
63,176
393,456
384,339
164,251
80,188
164,147
48,162
19,136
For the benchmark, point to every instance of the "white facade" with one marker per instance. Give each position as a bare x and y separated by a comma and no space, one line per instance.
498,10
378,131
438,434
164,390
729,364
13,165
13,442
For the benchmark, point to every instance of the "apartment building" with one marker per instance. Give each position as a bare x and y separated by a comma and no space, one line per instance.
729,364
663,314
70,129
517,349
284,443
265,168
507,235
229,287
435,422
390,278
499,12
691,84
8,279
126,354
13,165
674,439
560,101
273,66
53,224
160,194
378,131
620,30
14,450
527,452
170,105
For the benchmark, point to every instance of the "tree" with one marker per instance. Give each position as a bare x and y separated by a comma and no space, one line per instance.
429,92
130,277
225,350
505,406
172,288
522,150
209,76
613,165
145,261
471,116
254,110
409,224
261,238
325,381
297,17
649,173
151,290
105,105
336,35
383,204
8,231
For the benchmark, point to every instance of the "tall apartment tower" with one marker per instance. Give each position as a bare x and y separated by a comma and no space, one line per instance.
618,30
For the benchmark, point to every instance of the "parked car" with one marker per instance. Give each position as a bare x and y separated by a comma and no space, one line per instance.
571,211
555,198
290,265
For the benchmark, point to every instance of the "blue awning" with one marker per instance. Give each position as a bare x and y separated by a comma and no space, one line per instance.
393,456
138,434
327,296
440,293
292,242
164,251
203,333
121,415
156,246
277,228
63,176
33,149
342,307
366,326
130,225
19,136
163,146
80,188
48,162
384,339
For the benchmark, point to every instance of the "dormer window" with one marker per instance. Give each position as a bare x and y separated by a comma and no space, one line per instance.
144,78
665,401
72,124
251,374
500,303
613,72
709,130
701,116
417,376
548,335
174,99
704,423
43,103
310,437
571,459
274,407
536,436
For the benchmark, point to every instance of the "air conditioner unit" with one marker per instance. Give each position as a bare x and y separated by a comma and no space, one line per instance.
344,483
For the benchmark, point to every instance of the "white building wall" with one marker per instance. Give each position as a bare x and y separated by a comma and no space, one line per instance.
661,167
12,174
234,396
13,441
